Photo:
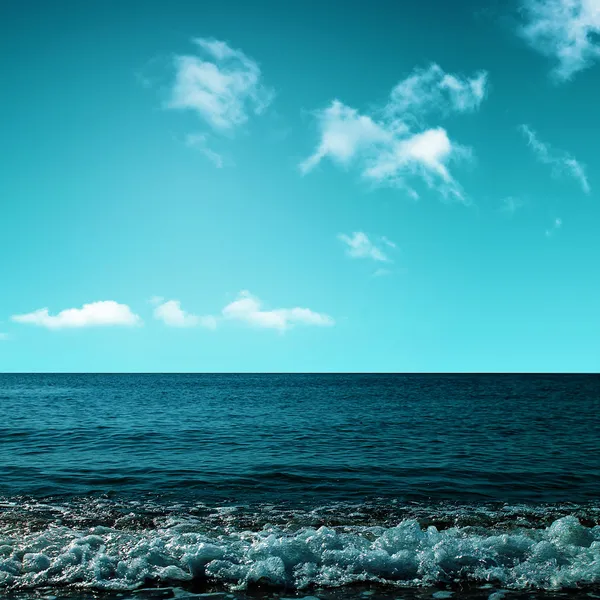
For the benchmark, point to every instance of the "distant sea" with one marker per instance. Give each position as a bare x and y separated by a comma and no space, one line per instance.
281,486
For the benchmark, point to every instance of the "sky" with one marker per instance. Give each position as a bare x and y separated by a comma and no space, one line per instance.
274,186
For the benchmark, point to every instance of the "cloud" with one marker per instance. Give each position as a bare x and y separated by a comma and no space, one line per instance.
510,205
393,144
247,308
358,245
381,272
561,161
556,225
96,314
4,336
171,313
221,85
431,89
566,30
344,134
199,141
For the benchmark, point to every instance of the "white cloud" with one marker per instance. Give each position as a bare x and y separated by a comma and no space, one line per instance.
556,225
431,89
222,85
561,161
4,336
96,314
425,154
344,134
577,171
358,245
247,308
393,144
565,30
171,313
199,141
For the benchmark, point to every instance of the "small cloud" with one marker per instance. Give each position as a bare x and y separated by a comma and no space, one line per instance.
104,313
566,30
392,146
248,309
388,242
382,273
173,315
4,337
358,245
561,162
221,85
199,141
510,205
556,225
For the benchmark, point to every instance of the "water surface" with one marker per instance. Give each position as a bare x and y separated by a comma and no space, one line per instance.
299,484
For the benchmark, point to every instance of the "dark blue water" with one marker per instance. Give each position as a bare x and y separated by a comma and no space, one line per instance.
298,482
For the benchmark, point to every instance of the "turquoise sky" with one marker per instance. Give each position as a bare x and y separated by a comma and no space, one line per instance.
299,186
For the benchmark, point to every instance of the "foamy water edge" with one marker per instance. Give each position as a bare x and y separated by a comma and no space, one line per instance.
565,554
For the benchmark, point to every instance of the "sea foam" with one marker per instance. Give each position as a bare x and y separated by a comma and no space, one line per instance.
565,554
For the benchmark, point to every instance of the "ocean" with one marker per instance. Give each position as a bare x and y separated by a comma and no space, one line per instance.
290,486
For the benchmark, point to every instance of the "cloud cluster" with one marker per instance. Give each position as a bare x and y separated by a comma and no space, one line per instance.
394,144
96,314
221,84
358,245
566,30
560,161
245,308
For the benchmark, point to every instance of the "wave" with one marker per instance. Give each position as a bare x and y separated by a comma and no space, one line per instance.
180,548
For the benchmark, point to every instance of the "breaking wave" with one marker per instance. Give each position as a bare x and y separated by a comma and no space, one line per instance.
236,549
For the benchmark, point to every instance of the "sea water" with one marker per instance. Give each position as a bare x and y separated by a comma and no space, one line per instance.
394,486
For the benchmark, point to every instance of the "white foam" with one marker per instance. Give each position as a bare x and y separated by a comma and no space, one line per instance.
565,554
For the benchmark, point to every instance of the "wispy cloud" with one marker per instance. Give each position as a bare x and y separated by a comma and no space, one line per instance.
510,205
221,85
4,336
96,314
394,144
248,309
433,90
171,313
200,141
566,30
556,225
358,245
562,162
381,272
